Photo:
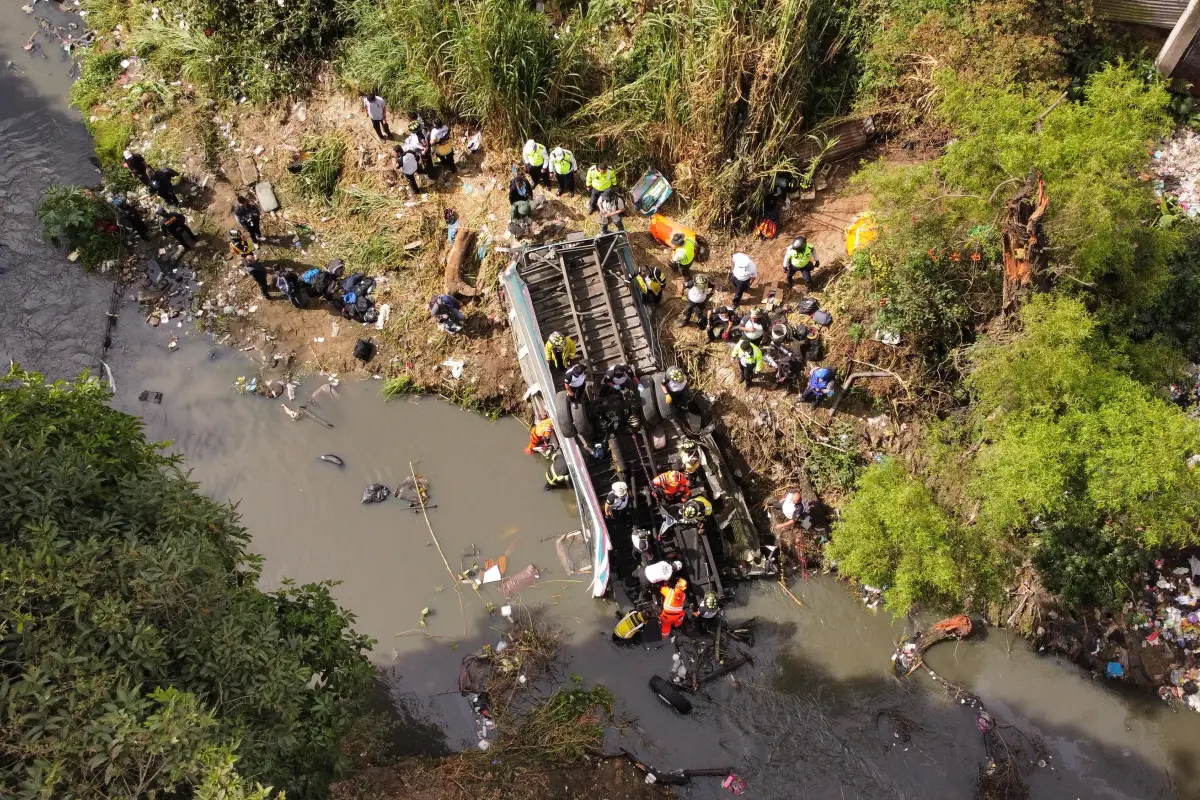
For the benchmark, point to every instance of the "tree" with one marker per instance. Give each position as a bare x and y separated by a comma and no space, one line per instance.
137,655
893,535
1068,435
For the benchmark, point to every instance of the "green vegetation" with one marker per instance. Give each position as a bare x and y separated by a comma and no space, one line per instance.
141,660
936,271
493,60
76,218
321,167
893,535
96,75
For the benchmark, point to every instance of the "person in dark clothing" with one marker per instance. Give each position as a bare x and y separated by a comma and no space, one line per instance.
722,322
447,313
259,273
160,184
519,189
289,283
130,217
137,166
248,216
175,224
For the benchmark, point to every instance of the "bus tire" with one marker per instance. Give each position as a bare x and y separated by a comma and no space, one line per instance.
649,401
665,410
580,421
563,416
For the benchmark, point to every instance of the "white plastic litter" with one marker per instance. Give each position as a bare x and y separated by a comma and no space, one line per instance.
456,366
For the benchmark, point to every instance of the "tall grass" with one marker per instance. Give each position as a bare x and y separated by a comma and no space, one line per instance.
719,88
497,61
319,173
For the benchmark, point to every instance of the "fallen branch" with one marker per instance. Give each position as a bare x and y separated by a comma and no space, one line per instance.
429,525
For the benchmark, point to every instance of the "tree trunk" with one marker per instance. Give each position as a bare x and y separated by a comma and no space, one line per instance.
1024,242
461,252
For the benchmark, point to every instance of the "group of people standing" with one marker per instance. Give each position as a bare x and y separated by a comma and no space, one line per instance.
426,150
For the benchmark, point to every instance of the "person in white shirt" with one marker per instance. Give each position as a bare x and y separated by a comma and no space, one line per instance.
407,164
742,275
377,113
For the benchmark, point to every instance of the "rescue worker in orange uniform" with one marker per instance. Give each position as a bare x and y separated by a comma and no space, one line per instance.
672,610
674,485
541,436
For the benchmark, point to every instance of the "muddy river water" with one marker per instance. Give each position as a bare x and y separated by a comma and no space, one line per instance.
817,716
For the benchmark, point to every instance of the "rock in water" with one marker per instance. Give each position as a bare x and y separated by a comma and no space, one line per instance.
376,493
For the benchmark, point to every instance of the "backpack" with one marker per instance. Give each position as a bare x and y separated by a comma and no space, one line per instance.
350,282
319,283
349,298
822,318
808,305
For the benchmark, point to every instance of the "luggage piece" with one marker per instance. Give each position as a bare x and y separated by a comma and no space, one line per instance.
651,192
266,197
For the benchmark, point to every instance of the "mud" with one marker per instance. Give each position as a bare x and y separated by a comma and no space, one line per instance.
816,716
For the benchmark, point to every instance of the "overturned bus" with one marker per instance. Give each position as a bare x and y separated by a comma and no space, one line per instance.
584,288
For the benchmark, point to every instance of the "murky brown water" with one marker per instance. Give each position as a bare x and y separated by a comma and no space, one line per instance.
811,719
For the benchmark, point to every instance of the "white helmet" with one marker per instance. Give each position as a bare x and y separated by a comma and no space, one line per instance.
557,153
620,488
530,144
128,153
741,260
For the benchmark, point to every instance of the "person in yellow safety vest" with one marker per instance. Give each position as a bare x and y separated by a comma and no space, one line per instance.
534,155
800,258
749,358
563,165
443,145
541,436
560,350
650,282
685,250
599,178
557,474
697,509
672,610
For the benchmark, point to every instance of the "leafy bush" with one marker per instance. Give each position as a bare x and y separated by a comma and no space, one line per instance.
833,467
1089,153
97,72
140,658
1068,435
1090,565
893,535
935,268
261,51
75,218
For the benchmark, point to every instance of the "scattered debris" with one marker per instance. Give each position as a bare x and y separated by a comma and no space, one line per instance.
376,493
332,459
